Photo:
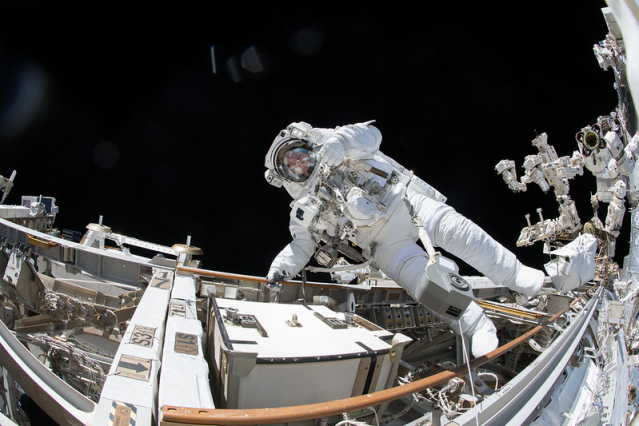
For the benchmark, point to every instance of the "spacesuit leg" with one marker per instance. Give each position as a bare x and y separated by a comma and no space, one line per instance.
473,323
467,241
405,262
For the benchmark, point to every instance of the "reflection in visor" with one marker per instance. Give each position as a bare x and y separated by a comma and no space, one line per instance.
295,161
298,161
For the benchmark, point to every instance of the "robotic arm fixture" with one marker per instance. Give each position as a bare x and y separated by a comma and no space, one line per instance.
607,149
547,170
608,152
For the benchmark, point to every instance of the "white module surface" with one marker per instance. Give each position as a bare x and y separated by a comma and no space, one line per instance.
313,338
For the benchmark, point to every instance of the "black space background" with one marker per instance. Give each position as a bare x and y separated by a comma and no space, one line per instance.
118,112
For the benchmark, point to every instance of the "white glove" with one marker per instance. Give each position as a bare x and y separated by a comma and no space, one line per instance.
332,152
275,287
273,277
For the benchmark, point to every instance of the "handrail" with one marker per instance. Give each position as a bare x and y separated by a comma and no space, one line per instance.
253,416
47,245
231,276
522,313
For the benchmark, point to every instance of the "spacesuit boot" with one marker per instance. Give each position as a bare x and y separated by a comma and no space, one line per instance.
408,267
475,325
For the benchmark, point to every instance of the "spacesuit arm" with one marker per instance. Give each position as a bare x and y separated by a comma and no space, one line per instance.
290,261
467,241
354,141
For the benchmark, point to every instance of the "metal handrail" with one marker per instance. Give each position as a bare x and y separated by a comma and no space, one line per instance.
250,278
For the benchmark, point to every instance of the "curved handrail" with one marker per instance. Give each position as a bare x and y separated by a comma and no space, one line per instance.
186,415
251,278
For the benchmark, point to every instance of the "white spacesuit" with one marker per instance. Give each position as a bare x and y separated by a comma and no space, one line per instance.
347,192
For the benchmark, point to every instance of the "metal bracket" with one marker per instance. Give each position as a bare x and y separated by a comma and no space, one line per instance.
245,320
332,322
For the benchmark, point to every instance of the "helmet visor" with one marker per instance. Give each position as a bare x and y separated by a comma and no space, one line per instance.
295,161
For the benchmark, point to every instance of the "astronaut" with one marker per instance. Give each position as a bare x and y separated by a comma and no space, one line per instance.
346,192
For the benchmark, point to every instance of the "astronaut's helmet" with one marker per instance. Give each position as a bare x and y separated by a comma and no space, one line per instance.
291,161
